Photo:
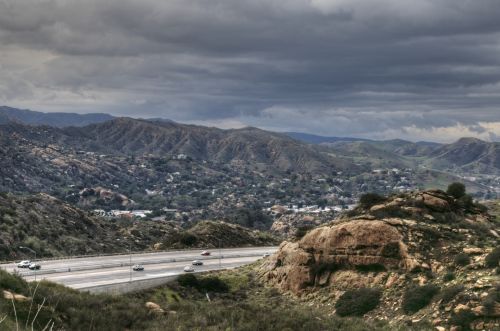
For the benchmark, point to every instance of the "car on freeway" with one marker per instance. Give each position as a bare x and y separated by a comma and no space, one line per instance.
266,255
34,266
205,253
24,264
188,268
197,262
138,267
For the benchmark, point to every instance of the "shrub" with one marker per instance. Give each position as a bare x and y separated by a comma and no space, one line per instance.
206,284
370,199
416,298
358,302
451,292
449,276
466,202
12,282
491,300
461,259
187,239
188,280
493,258
212,284
463,319
456,190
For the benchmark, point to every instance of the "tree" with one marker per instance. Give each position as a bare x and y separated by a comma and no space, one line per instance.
456,190
370,199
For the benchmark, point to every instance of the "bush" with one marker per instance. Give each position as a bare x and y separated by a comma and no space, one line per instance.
358,302
187,239
206,284
12,282
449,276
188,280
463,319
466,202
416,298
461,259
491,300
451,292
493,258
456,190
368,200
212,284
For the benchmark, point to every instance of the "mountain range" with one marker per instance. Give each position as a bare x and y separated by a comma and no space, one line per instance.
29,146
25,116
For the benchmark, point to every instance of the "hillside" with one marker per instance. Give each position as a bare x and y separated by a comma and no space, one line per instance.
467,155
414,258
256,148
55,228
237,297
248,148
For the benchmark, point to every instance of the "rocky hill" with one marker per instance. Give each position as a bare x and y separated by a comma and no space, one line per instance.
54,228
420,257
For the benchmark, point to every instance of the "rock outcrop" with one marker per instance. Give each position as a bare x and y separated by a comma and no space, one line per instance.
361,243
405,241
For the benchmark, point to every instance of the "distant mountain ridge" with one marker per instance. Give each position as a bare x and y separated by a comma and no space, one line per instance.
316,139
258,149
468,154
250,148
255,147
52,119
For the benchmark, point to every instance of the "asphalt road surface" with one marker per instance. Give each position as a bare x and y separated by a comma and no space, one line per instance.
88,272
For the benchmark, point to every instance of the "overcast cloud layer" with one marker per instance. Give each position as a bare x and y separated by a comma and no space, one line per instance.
419,70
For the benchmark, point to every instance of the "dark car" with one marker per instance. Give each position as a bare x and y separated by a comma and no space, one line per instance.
34,266
197,262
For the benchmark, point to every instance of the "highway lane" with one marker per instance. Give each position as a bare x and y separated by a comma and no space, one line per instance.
137,258
103,270
91,278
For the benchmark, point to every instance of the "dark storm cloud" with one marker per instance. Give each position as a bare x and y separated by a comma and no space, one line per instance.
371,68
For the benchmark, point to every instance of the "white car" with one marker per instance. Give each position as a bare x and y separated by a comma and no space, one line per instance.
24,264
138,267
266,255
188,268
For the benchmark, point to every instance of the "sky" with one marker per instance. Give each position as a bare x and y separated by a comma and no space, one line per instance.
381,69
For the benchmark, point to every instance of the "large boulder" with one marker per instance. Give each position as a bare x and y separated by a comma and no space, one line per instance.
355,244
436,200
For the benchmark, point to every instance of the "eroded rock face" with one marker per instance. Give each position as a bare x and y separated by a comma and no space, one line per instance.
436,200
356,244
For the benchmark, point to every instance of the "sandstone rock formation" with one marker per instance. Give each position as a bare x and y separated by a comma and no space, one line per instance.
359,243
405,241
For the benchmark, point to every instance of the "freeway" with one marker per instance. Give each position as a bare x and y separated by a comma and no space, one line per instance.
85,272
